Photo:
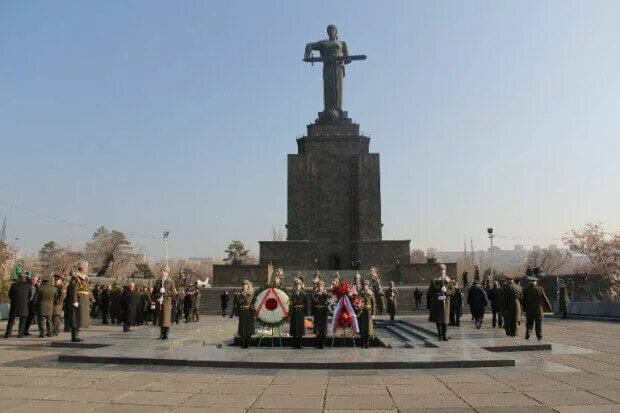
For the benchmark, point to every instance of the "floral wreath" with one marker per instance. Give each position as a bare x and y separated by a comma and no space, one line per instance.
271,306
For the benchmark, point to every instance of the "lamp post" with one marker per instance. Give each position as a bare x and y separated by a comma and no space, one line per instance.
490,232
166,233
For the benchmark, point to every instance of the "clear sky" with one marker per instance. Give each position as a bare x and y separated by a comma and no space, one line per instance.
147,116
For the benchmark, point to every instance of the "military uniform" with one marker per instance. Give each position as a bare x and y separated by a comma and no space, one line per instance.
391,296
320,301
45,308
535,301
365,317
164,299
298,307
59,300
439,303
242,306
512,294
78,317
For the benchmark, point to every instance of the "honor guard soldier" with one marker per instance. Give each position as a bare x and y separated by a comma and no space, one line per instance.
365,316
242,306
45,307
439,293
162,293
391,296
535,302
512,294
78,294
298,308
320,300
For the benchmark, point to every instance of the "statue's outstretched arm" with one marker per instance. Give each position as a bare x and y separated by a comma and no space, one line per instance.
310,47
345,52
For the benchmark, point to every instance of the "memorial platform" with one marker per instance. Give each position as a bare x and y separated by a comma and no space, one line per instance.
407,343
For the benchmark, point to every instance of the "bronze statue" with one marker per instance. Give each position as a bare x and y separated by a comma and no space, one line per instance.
334,55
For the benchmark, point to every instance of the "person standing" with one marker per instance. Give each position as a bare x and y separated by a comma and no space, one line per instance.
32,303
297,311
440,291
59,300
465,278
563,300
391,296
115,304
320,301
104,304
456,306
417,298
365,316
128,306
224,302
162,294
78,294
535,302
45,307
495,297
477,300
196,304
512,294
242,307
19,295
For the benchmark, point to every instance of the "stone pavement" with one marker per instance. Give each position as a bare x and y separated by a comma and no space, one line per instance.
581,374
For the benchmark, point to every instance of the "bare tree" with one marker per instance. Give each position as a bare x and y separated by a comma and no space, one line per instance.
277,234
602,249
110,254
548,260
56,259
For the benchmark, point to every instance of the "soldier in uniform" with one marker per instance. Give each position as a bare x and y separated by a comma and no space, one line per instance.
242,306
162,294
59,300
298,307
78,294
224,302
439,293
512,294
391,296
535,302
365,316
320,299
495,297
45,307
196,304
456,306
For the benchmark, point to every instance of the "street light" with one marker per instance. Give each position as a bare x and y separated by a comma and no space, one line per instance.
166,233
490,232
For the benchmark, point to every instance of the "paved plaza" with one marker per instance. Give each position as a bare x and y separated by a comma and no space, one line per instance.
580,374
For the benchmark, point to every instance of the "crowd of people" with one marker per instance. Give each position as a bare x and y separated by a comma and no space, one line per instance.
48,300
507,298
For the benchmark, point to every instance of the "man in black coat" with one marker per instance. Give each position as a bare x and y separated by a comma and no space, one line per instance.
128,307
20,294
104,304
32,304
456,306
224,300
477,300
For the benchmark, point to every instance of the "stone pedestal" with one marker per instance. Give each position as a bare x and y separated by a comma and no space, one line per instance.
334,204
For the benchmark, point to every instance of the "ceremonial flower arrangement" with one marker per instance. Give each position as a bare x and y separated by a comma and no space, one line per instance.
345,313
271,306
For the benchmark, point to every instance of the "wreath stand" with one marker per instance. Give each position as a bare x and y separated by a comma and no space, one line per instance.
344,336
273,334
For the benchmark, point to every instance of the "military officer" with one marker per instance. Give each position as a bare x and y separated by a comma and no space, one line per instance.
535,302
439,293
320,299
45,307
512,294
365,316
78,294
162,293
297,310
59,299
242,306
391,296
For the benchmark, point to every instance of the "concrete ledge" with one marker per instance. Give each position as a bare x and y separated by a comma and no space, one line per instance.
69,344
518,347
594,309
305,365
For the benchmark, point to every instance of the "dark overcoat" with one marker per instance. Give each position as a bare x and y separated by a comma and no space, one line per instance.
319,302
535,301
298,308
477,300
19,294
128,307
364,318
440,309
391,296
511,303
165,308
243,308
